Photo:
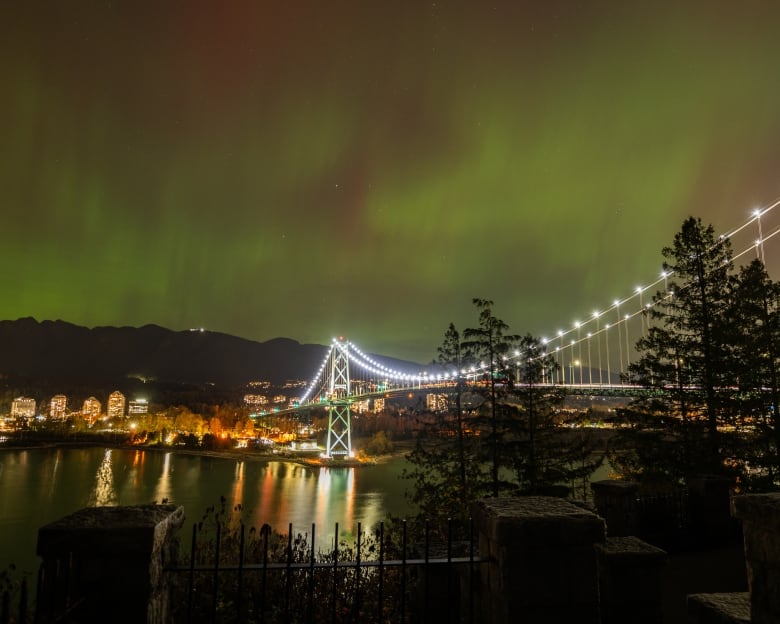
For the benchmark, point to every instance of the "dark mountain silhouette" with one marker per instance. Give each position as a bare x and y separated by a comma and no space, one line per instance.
61,351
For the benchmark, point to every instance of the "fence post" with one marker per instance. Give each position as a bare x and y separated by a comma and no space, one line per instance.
544,563
616,502
118,554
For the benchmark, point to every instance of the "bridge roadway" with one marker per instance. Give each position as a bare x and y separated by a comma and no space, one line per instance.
581,390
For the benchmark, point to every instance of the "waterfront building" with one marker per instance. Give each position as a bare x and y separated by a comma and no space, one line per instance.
379,406
115,408
23,407
255,400
137,407
58,407
436,402
91,408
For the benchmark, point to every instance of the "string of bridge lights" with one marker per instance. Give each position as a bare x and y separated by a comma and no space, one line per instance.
371,365
757,245
368,363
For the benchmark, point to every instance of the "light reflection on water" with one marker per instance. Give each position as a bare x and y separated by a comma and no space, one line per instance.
104,494
162,493
40,486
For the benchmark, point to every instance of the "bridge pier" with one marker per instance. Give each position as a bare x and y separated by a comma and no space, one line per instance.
339,442
339,428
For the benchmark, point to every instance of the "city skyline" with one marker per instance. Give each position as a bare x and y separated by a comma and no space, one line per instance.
310,171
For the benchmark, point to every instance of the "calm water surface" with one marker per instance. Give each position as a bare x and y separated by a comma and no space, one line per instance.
42,485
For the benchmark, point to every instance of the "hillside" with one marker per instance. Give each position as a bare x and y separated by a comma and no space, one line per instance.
61,351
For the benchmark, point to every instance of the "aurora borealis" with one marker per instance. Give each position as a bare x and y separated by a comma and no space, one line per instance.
367,168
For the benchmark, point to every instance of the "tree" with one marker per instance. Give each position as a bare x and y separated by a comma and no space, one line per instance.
379,444
446,461
185,420
683,354
489,342
536,406
544,454
754,340
450,354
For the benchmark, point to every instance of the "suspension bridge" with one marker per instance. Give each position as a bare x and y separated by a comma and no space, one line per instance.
591,356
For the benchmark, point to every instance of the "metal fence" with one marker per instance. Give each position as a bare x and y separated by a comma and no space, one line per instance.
20,613
663,518
59,583
404,574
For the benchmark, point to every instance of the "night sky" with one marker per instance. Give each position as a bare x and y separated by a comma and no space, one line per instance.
309,169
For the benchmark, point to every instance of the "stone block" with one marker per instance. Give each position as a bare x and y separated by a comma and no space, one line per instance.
114,556
616,502
545,568
760,515
729,608
629,572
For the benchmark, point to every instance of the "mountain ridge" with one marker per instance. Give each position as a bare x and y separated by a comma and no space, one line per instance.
60,350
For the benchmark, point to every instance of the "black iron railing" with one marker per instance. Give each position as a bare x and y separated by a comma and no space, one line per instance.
405,573
20,613
400,575
57,582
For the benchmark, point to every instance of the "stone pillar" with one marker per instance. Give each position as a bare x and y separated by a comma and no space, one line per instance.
760,515
615,501
106,563
544,568
629,573
709,508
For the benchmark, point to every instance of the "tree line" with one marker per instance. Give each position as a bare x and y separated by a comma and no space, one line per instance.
708,362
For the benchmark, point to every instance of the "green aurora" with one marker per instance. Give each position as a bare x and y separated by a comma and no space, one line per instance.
367,168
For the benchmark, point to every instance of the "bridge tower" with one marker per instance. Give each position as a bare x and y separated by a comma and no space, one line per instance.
339,432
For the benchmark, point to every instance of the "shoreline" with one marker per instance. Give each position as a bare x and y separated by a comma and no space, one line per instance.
236,454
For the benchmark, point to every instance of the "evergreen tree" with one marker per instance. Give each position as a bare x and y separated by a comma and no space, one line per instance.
685,347
489,343
544,455
446,462
754,341
451,355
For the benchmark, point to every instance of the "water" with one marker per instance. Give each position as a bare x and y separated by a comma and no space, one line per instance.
42,485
